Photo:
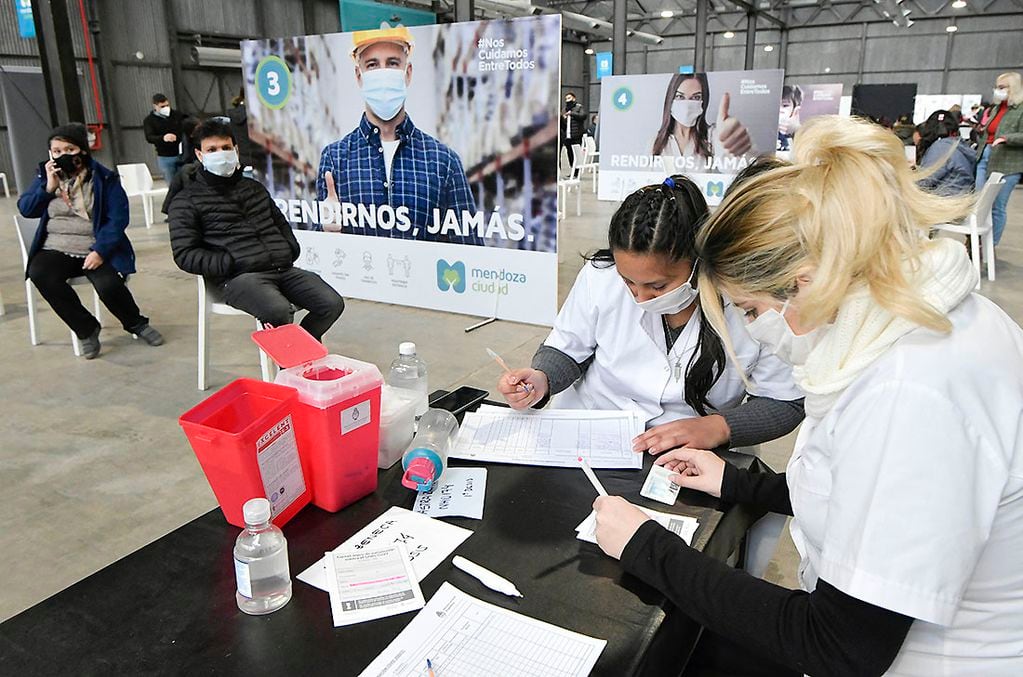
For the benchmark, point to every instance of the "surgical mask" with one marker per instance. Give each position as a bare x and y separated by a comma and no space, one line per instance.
686,111
220,162
772,330
66,163
163,111
674,301
384,90
1001,95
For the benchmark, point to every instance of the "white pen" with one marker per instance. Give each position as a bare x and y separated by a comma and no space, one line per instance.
486,577
592,477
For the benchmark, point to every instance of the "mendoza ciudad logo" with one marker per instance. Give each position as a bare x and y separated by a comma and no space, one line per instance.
452,276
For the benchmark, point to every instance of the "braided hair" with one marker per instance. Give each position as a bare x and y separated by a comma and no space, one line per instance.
664,219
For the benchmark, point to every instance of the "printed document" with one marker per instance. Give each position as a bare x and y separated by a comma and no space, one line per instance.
368,584
427,541
464,637
683,525
556,437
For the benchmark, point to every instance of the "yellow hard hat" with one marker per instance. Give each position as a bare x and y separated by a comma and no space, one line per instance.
363,39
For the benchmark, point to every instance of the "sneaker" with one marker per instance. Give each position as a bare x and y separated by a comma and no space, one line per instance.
90,345
150,335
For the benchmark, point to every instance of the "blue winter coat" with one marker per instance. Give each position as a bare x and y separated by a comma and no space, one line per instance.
109,216
956,176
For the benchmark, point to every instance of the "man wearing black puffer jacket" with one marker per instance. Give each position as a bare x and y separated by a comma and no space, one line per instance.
227,228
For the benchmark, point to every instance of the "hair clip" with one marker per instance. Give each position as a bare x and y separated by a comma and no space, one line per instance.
669,182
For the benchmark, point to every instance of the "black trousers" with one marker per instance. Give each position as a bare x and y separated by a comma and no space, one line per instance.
268,297
50,272
568,143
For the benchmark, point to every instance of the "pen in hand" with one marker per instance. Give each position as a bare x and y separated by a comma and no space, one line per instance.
504,365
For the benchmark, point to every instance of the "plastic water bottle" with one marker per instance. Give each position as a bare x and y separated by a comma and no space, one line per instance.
409,372
261,562
427,455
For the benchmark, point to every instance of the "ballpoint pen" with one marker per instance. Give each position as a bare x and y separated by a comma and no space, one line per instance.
504,365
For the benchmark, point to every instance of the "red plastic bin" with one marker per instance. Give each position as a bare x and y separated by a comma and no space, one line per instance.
337,414
245,438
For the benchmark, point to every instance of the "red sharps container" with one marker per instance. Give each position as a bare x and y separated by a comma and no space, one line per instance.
337,414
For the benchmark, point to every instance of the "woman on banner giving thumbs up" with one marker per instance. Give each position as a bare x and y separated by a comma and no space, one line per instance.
685,132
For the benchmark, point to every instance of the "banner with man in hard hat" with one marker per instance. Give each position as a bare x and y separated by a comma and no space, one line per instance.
407,157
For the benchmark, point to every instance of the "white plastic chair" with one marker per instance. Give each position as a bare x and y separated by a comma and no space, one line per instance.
591,163
978,226
573,182
210,305
137,181
26,231
7,188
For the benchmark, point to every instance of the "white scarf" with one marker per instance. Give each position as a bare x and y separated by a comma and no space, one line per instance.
863,330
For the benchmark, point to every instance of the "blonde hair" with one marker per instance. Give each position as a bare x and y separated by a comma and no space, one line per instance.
848,208
1015,82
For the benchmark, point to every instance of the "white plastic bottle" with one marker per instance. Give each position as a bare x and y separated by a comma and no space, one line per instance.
261,562
409,372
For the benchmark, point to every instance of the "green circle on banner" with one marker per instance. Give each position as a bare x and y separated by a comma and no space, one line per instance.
273,82
622,98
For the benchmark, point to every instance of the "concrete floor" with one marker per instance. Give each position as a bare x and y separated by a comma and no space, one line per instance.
94,463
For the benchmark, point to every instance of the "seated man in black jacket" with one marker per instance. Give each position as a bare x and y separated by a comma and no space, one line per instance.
227,228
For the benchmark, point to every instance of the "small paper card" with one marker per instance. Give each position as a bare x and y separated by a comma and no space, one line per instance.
659,487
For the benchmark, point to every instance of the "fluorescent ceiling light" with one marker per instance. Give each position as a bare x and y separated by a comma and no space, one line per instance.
951,29
768,48
729,35
589,50
667,14
959,4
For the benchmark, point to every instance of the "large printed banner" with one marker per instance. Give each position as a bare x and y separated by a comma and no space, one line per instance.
707,126
418,165
800,103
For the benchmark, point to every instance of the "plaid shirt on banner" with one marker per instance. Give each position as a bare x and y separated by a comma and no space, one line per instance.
425,175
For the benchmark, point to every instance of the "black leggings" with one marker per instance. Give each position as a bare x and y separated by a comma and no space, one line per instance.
50,271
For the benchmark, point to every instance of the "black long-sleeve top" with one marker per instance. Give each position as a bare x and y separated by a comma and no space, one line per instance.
824,632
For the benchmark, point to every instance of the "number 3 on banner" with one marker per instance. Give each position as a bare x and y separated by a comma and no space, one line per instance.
273,82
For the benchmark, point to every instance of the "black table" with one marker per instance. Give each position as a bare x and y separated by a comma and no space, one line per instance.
170,607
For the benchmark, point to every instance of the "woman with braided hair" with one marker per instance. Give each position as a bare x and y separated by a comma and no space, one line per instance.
631,336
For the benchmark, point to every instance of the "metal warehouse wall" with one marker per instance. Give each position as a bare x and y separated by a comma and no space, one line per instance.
965,62
143,42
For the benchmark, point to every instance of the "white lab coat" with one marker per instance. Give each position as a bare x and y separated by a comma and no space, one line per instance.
632,368
908,494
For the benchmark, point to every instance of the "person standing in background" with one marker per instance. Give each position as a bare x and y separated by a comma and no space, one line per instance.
573,125
163,129
239,117
1003,145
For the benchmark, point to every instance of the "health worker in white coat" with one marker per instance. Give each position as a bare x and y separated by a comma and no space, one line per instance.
906,481
631,336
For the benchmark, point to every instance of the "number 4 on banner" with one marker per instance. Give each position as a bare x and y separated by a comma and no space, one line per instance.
622,98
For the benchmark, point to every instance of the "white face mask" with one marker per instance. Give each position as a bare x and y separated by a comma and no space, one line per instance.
221,162
384,91
686,111
163,111
674,301
1001,95
772,330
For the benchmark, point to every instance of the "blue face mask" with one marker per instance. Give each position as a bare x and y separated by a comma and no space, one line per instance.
221,162
384,91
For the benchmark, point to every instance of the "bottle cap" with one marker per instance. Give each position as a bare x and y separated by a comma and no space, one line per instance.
407,348
419,475
256,511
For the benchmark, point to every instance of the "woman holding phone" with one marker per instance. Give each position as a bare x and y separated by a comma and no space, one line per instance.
83,213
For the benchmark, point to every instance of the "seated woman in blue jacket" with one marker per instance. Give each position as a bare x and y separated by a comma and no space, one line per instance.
83,212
